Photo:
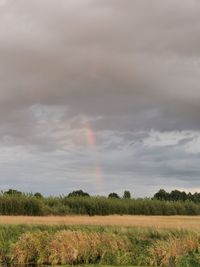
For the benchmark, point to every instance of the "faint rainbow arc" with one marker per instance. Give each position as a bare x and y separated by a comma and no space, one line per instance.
92,143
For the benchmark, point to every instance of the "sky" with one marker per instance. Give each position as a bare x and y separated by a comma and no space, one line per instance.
100,95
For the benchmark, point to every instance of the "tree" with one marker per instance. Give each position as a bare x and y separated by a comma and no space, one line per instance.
177,195
161,195
78,193
113,195
13,192
38,195
127,194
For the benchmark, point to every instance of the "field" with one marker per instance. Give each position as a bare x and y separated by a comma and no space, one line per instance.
97,240
173,222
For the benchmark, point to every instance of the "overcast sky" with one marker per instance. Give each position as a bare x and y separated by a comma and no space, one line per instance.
100,95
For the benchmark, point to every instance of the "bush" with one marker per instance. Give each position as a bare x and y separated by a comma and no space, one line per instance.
71,247
168,252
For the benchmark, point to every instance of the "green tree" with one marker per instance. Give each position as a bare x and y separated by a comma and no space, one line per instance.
113,195
38,195
177,195
13,192
78,193
127,194
161,195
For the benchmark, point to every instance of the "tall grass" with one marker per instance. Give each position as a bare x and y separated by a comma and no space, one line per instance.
21,205
30,205
61,245
168,252
105,206
71,247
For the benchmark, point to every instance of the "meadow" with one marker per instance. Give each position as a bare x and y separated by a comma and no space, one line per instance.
98,231
98,245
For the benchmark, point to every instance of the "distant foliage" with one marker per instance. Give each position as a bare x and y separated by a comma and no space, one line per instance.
177,195
79,202
38,195
78,193
127,194
21,205
113,195
13,192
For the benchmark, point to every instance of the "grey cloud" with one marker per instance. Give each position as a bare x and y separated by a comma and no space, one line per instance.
126,67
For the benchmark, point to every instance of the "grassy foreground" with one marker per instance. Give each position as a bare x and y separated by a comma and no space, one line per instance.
116,246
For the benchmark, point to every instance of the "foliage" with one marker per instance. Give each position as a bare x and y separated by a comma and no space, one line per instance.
98,245
113,195
127,194
192,259
13,192
168,252
78,193
176,195
15,204
38,195
80,203
34,205
70,247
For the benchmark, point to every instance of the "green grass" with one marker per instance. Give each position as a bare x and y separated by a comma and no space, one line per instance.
138,247
27,204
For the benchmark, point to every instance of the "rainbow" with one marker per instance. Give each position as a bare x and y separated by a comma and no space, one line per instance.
92,144
90,135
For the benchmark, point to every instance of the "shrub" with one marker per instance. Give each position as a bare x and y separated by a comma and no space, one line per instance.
32,248
168,252
71,247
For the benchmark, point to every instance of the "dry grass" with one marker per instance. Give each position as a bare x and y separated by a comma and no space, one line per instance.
185,222
167,252
71,247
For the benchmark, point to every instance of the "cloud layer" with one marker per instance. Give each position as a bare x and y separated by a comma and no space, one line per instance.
125,73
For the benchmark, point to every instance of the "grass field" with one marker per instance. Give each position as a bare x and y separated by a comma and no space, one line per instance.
184,222
72,244
111,240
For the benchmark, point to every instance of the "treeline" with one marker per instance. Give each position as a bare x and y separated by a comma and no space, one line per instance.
14,202
176,195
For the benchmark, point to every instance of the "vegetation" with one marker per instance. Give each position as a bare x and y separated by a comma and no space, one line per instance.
78,193
177,195
113,195
127,194
161,222
14,202
60,245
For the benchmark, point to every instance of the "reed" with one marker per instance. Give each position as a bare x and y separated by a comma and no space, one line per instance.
27,204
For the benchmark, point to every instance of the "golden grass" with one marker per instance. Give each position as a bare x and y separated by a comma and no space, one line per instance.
167,252
71,247
185,222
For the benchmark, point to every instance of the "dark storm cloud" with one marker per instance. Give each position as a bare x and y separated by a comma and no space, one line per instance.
125,66
103,57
